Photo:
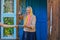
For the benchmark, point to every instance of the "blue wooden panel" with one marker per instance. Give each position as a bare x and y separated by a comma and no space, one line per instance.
8,15
0,18
41,24
40,11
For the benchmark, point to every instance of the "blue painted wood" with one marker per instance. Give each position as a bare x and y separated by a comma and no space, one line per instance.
8,15
20,31
0,18
41,24
40,11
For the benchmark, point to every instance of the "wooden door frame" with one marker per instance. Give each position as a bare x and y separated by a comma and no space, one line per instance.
17,16
55,19
17,20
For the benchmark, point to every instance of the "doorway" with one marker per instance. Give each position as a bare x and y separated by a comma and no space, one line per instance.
40,11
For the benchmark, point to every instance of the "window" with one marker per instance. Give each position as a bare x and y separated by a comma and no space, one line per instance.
8,6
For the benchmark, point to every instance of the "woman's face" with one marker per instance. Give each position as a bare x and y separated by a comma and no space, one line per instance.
28,11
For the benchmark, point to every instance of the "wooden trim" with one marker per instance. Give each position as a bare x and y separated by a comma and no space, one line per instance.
17,18
54,34
58,14
55,20
48,11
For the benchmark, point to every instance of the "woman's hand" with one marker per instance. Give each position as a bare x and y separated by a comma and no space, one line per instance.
29,27
1,24
25,26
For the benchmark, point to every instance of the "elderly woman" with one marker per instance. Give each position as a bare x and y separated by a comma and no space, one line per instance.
29,25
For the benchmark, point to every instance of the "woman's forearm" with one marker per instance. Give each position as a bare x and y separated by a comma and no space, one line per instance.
27,27
5,25
0,24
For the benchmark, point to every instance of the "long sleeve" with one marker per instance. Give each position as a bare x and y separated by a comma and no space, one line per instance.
33,21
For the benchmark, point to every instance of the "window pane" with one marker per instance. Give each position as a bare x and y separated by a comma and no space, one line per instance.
8,6
8,20
8,31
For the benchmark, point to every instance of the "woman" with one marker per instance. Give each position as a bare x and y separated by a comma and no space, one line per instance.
29,25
